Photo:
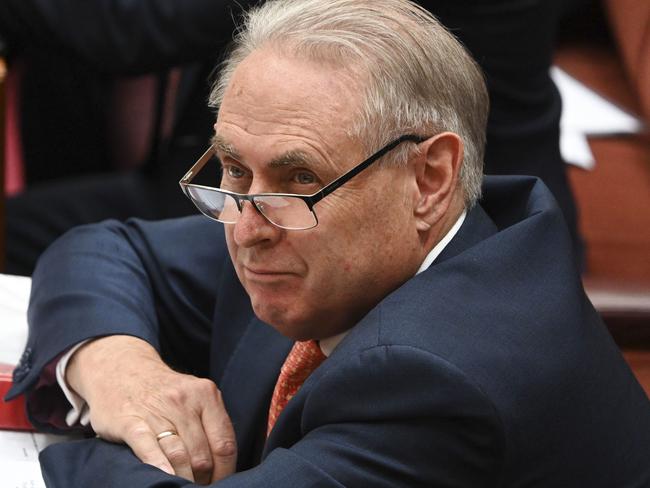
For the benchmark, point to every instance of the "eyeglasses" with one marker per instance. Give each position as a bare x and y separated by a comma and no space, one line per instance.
284,210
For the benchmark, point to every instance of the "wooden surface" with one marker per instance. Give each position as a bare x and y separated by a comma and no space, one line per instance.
614,208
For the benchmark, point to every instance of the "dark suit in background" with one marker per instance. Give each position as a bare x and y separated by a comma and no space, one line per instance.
512,40
490,369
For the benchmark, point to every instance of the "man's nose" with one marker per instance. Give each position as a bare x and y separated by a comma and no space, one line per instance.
252,228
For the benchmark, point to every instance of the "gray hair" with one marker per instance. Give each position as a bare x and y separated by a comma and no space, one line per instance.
418,78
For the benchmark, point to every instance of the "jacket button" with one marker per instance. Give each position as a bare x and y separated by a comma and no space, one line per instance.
24,366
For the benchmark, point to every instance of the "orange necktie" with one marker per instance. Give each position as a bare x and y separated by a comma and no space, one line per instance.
302,360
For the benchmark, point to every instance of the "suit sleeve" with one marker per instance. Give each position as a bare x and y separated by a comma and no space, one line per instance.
122,36
152,280
392,416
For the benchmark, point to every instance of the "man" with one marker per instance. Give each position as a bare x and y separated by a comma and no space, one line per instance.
365,320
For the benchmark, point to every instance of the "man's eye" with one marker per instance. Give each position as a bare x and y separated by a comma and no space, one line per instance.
304,178
235,172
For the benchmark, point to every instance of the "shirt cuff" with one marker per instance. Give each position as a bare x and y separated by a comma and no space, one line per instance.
79,413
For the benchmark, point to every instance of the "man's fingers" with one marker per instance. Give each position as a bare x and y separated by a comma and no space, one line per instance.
193,436
221,436
202,447
160,445
145,446
178,455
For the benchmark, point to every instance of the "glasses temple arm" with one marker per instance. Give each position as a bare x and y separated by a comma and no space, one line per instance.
345,177
198,166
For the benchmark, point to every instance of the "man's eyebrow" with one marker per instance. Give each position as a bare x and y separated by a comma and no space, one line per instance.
223,146
290,158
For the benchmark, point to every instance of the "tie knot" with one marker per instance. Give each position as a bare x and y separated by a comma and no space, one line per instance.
303,359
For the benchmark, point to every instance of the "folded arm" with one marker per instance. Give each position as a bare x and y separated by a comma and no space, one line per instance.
386,417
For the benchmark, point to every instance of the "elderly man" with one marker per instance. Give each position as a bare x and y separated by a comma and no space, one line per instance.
366,320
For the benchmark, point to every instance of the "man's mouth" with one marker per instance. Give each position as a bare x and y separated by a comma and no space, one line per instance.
258,272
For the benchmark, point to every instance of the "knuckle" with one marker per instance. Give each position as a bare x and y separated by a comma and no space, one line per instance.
178,455
135,428
201,464
224,448
208,387
176,395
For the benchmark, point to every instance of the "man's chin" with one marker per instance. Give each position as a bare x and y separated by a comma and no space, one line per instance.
285,319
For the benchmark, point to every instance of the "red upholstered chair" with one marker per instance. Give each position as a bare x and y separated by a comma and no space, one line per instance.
3,76
134,113
14,180
11,165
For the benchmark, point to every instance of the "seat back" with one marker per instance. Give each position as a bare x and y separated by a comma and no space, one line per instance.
3,75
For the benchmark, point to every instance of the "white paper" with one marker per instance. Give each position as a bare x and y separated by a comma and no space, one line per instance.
575,149
14,297
586,113
19,457
18,450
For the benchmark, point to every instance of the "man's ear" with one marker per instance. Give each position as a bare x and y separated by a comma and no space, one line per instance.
436,174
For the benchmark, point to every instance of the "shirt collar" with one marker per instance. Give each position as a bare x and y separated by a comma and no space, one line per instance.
328,344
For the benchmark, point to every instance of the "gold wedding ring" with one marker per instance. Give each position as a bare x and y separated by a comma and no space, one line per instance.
164,434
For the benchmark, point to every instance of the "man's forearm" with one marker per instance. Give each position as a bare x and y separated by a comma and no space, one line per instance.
102,357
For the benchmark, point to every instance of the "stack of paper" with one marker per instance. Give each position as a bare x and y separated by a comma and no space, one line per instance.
14,297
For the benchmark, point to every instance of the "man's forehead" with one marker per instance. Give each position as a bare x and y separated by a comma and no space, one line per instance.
272,80
282,96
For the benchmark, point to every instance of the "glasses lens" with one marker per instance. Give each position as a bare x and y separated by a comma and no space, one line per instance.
286,212
214,204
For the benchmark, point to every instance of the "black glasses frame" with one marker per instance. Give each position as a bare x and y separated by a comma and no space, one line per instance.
310,200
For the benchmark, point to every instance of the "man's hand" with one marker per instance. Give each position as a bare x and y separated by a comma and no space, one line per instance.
133,396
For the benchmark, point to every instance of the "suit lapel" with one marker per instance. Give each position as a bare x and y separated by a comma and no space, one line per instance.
246,360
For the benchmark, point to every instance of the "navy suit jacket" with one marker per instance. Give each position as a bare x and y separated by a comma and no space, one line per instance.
489,369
